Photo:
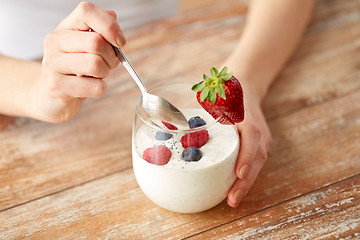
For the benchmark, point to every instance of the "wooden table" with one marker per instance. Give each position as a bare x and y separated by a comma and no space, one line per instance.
75,180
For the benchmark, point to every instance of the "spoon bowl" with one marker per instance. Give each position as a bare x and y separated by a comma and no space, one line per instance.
157,108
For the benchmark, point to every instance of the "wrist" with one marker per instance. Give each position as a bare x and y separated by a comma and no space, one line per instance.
251,83
18,78
26,100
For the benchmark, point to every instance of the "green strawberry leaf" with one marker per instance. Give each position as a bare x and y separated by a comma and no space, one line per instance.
223,71
204,94
214,72
212,96
221,92
227,76
199,86
213,85
222,82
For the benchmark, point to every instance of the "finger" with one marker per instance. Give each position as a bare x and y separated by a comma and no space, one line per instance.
266,138
88,16
241,186
264,144
70,41
78,87
249,145
112,13
81,64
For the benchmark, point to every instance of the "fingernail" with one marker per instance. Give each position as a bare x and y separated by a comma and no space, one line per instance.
244,171
238,195
120,40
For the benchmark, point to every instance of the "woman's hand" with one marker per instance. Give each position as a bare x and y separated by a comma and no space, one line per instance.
77,58
255,139
266,43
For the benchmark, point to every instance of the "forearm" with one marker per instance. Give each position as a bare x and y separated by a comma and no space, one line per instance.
17,77
272,32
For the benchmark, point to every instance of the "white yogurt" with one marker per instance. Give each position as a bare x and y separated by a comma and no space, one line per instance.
182,186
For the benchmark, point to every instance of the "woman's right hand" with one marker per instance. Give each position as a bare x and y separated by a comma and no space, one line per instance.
77,57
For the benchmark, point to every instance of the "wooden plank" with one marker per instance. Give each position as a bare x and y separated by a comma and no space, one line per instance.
332,212
115,206
325,65
37,159
189,5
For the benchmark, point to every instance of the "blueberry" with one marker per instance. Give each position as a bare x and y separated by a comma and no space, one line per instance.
163,136
191,154
196,122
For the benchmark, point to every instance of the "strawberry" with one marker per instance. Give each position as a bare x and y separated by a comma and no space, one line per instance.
221,95
169,125
195,139
159,155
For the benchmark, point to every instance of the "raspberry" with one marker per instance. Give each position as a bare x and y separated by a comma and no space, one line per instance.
169,125
195,139
159,155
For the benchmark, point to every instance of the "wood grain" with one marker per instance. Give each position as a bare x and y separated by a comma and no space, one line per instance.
75,179
115,205
332,212
95,143
55,155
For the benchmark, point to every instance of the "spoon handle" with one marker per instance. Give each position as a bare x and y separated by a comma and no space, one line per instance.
127,65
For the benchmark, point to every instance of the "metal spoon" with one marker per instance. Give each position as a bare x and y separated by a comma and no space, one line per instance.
156,107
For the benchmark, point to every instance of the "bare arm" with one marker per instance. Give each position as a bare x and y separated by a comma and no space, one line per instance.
17,77
74,66
272,32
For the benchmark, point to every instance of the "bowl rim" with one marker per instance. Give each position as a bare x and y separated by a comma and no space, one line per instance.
155,126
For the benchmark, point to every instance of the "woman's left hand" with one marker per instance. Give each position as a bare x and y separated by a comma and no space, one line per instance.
255,139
